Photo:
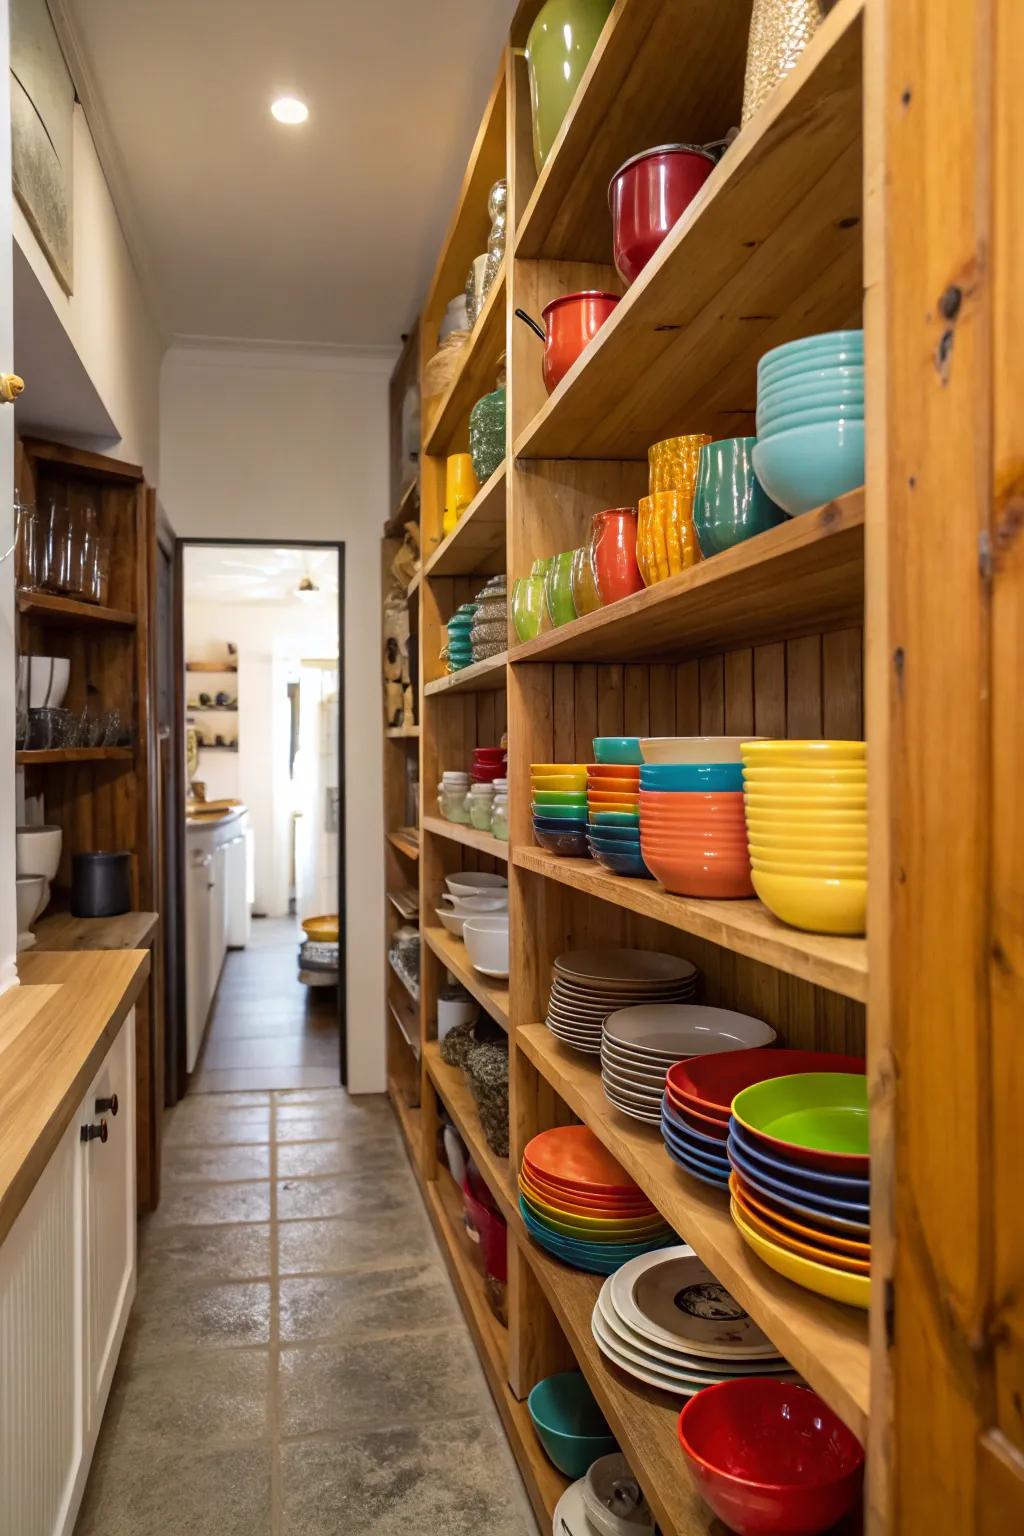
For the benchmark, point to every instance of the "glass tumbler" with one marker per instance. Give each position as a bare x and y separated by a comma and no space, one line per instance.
29,545
101,570
86,534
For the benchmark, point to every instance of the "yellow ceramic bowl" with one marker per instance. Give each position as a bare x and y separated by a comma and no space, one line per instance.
576,781
789,823
841,867
813,902
854,1290
801,754
812,839
781,778
825,798
323,929
536,768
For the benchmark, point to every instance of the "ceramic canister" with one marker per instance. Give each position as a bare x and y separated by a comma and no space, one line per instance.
558,50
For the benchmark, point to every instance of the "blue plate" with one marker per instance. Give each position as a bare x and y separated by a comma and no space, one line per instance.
694,1170
693,778
774,1188
574,1247
715,1145
704,1160
836,1186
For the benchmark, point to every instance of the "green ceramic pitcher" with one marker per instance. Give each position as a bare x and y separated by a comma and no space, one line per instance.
558,51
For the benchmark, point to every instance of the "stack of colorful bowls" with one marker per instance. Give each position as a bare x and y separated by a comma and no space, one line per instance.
559,806
806,805
579,1204
798,1146
810,420
699,1094
692,834
613,833
664,1319
589,984
640,1043
460,647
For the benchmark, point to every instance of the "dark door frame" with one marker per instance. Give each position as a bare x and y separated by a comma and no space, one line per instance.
281,543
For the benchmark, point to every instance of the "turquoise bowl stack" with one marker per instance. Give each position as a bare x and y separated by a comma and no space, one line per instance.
810,420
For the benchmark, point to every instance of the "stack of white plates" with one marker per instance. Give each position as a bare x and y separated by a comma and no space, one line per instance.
589,984
639,1044
666,1320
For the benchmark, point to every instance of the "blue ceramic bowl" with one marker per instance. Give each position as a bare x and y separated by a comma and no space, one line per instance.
631,866
838,346
712,1146
818,386
773,1185
693,778
860,1231
571,845
617,749
813,417
608,845
569,1424
708,1161
694,1168
839,1186
792,373
609,833
809,466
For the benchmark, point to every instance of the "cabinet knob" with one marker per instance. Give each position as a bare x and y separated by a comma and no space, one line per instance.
95,1132
107,1106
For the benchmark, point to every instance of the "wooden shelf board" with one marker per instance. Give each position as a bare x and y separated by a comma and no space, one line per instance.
825,1341
454,1093
213,747
403,982
544,1483
489,992
402,733
212,667
406,840
410,1124
211,709
476,373
802,577
469,837
33,758
664,71
642,1418
769,250
400,1025
58,930
744,927
70,613
476,545
405,512
481,677
393,896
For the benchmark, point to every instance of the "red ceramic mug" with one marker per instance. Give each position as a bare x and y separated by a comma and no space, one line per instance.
613,553
648,195
572,322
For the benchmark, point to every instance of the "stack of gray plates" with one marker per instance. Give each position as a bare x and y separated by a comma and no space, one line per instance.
639,1044
589,984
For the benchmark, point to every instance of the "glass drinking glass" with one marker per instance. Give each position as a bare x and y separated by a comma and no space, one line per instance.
28,536
87,553
101,570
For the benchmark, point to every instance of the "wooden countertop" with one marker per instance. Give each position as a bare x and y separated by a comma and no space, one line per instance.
61,931
55,1029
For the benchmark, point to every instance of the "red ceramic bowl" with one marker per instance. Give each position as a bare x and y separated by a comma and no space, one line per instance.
703,876
571,322
647,195
770,1457
491,752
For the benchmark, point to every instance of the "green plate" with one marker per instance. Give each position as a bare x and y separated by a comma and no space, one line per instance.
559,797
823,1111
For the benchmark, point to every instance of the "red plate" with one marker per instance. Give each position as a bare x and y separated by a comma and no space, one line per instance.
709,1084
572,1156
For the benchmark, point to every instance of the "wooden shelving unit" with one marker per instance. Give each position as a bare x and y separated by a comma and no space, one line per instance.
481,677
468,837
71,613
38,757
477,542
489,993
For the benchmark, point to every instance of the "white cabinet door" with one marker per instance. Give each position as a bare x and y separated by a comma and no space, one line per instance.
109,1180
197,952
218,915
42,1429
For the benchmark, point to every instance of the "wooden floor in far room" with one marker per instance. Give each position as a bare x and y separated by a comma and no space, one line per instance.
267,1030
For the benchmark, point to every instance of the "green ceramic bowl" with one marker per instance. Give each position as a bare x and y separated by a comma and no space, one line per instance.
569,1424
551,797
570,811
821,1111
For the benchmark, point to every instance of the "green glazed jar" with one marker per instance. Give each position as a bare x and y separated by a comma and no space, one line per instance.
558,589
558,51
487,434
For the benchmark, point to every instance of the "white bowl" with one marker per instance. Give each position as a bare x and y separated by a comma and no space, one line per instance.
43,680
38,851
32,893
474,882
453,921
476,906
693,749
486,941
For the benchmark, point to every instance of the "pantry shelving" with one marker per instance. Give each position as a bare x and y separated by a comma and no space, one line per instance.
457,1099
481,677
476,545
69,612
469,837
489,993
475,376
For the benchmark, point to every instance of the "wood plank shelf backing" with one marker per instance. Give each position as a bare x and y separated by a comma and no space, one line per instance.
490,993
469,837
774,233
476,545
69,612
825,1341
453,1091
481,677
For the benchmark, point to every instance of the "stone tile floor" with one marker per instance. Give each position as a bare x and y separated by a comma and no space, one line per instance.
296,1363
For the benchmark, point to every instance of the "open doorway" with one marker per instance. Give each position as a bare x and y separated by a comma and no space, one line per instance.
262,711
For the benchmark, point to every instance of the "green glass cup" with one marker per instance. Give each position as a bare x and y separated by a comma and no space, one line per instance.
730,504
528,606
561,608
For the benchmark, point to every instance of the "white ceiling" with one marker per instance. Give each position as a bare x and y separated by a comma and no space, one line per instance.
239,573
326,233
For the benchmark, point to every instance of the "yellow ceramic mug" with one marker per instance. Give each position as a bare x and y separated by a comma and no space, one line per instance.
461,485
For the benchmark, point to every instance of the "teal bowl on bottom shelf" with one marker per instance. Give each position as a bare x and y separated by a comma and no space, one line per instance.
569,1424
618,749
809,466
828,344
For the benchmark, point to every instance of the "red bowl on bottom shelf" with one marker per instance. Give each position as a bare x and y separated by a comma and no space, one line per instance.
770,1457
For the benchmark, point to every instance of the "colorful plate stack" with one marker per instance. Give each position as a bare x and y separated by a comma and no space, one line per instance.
699,1094
640,1044
579,1204
559,803
810,420
589,984
613,831
692,833
798,1146
806,805
664,1319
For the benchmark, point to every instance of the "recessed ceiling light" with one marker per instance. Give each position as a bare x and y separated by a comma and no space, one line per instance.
288,109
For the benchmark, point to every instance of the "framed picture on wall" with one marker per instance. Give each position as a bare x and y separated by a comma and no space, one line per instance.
42,134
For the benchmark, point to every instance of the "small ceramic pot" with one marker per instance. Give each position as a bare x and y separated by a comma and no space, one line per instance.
673,462
558,51
528,606
648,195
558,590
613,553
730,503
585,595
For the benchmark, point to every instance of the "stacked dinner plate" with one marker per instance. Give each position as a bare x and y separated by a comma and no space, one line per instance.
579,1204
699,1093
589,984
798,1146
640,1044
666,1320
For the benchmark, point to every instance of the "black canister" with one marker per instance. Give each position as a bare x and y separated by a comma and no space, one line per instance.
101,884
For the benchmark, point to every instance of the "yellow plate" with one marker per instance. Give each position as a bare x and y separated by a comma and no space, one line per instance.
854,1290
323,929
804,753
590,1234
816,904
594,1223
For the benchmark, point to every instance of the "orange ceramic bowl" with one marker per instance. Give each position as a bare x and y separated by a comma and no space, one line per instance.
691,877
722,826
628,771
611,785
609,800
815,1253
692,801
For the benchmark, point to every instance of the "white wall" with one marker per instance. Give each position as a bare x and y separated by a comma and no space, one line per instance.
275,444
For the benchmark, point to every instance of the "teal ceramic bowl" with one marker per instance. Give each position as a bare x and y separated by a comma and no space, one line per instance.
610,833
730,504
837,345
693,778
569,1424
614,819
577,812
810,418
784,375
844,385
617,749
809,466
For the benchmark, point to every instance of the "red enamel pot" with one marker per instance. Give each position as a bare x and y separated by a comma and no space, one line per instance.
647,195
571,322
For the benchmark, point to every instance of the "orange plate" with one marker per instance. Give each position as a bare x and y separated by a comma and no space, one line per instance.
793,1230
572,1156
588,1204
592,1223
805,1250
